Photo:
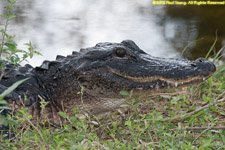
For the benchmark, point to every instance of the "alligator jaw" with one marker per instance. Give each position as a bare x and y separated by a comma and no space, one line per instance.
162,81
107,83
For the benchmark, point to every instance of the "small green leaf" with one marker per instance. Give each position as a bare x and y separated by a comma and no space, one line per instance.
20,51
11,1
11,17
38,53
131,92
124,93
10,13
186,146
11,122
29,117
12,87
10,45
128,123
4,108
3,102
62,114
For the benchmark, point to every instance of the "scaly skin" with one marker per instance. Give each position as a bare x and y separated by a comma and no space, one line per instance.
102,71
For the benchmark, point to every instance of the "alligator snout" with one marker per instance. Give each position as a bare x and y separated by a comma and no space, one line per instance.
204,65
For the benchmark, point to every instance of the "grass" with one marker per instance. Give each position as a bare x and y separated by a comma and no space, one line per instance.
170,120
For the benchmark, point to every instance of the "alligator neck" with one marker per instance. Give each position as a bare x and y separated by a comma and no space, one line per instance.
65,93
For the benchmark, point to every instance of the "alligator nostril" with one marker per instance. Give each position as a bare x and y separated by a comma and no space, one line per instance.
201,60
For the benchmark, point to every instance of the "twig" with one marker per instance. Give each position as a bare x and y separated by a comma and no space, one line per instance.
169,94
201,128
202,108
182,117
209,128
3,36
21,131
217,101
37,130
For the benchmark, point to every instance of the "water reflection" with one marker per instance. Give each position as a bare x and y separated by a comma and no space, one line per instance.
60,27
201,25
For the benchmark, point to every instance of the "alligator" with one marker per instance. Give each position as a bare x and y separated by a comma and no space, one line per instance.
101,72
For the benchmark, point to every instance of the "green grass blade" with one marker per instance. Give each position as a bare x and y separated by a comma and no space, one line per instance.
11,88
218,54
210,50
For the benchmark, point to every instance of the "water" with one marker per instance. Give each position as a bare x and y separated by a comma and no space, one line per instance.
59,27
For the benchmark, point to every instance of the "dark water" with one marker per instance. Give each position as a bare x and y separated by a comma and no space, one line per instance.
60,27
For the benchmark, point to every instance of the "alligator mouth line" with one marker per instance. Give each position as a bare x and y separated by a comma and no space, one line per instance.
188,80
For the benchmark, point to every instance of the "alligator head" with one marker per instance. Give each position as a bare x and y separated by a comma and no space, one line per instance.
108,68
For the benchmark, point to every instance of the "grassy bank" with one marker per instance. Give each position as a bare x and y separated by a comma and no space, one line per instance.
188,118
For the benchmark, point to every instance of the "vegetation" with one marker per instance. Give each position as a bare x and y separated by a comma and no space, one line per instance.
10,53
188,118
191,118
8,47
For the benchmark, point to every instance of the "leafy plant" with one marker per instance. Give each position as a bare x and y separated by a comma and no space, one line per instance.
9,53
8,46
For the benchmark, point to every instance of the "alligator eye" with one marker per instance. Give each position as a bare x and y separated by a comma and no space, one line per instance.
120,52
